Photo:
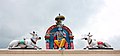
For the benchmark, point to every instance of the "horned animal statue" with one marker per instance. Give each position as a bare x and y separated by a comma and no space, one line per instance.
92,43
25,43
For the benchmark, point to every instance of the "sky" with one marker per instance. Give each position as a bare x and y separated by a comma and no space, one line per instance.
100,17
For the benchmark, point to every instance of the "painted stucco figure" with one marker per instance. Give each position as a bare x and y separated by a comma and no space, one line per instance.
25,43
59,36
92,43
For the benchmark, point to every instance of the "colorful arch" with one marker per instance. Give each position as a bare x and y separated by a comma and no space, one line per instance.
50,39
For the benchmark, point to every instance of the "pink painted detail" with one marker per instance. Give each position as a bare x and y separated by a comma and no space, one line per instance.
72,45
71,37
66,45
47,37
47,46
55,37
55,46
100,43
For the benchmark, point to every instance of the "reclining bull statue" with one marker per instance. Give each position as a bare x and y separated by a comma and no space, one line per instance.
92,43
25,43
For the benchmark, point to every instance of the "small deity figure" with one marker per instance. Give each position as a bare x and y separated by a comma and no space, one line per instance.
60,38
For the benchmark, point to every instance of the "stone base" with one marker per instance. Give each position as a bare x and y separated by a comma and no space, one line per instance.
59,53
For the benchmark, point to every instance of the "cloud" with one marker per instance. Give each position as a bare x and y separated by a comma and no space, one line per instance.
105,24
19,17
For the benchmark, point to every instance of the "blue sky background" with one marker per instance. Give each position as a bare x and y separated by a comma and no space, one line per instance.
100,17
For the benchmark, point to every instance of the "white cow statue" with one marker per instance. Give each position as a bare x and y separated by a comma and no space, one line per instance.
92,43
25,43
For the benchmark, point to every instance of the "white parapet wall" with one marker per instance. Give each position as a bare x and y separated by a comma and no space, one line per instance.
59,53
